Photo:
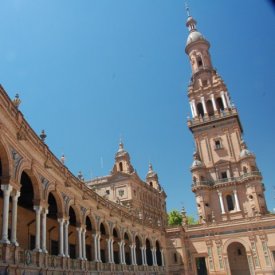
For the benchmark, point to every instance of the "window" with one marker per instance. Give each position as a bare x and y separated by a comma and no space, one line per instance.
32,242
194,179
199,62
204,83
218,144
230,204
151,184
120,166
175,258
224,175
244,170
107,192
239,251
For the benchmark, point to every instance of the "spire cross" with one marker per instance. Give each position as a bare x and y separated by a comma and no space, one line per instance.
187,9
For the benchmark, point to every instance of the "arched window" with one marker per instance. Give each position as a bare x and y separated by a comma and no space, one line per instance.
230,204
209,107
244,170
194,179
200,109
120,166
199,62
151,184
219,104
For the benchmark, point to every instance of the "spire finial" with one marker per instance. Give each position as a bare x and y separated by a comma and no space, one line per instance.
187,9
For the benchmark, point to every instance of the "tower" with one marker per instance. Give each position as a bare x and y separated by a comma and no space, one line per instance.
226,181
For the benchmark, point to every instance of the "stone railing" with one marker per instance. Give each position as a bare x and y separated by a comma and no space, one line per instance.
227,180
14,259
199,120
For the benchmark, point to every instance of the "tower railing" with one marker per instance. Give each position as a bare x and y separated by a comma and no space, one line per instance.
227,180
206,118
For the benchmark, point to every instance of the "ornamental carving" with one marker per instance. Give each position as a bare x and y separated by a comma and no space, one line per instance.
16,157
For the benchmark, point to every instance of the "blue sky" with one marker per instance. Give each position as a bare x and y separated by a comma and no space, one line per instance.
91,71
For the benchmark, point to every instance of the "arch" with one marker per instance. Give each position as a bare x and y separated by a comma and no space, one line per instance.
237,258
121,166
200,109
158,254
149,255
244,169
209,107
90,230
52,225
116,239
138,244
76,210
58,199
37,186
199,61
6,160
230,241
27,192
219,103
230,202
127,249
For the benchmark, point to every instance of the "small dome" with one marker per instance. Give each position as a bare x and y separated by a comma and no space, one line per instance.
121,151
194,36
151,172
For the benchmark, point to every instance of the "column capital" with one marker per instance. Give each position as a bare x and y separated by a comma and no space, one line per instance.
15,195
61,220
37,208
6,188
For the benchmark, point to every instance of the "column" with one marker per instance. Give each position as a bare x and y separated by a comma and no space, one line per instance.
14,218
213,102
120,252
44,230
123,252
203,105
132,254
37,209
162,257
79,240
61,237
95,247
236,200
143,253
135,254
98,247
154,256
194,108
109,250
191,107
221,202
6,188
223,100
228,100
84,244
66,238
112,251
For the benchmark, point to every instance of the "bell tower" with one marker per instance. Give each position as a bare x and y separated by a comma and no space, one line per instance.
226,181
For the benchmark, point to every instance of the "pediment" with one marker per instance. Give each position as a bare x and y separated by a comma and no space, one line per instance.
222,162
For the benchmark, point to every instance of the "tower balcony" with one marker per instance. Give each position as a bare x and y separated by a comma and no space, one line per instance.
206,119
234,180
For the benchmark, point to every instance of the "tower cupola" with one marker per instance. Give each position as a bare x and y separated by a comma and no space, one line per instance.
122,161
152,178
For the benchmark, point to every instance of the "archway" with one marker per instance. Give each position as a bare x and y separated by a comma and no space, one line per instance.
237,259
26,214
149,256
158,254
209,107
103,243
89,239
116,247
200,109
72,237
220,106
52,226
138,251
127,249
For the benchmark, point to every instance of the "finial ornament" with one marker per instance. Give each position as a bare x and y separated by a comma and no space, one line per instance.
43,135
187,9
16,101
62,159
